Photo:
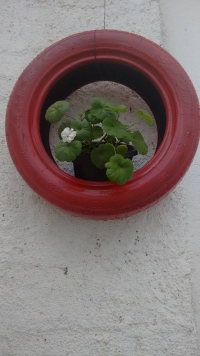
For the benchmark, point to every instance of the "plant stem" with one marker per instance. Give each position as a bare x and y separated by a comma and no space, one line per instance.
70,117
103,138
135,123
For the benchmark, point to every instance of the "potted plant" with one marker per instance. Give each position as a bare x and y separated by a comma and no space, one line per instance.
109,158
89,57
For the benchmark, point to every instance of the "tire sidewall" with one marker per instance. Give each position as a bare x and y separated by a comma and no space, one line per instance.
149,184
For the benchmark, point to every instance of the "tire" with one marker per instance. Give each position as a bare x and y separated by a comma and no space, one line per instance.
88,57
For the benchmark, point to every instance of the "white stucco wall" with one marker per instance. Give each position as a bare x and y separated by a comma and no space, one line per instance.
180,32
72,286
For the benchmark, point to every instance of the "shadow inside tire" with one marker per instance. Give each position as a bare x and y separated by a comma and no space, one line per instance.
114,72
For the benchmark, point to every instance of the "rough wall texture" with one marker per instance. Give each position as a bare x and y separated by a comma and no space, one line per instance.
181,39
71,286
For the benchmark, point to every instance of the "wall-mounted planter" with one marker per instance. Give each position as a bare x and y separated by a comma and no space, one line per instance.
95,56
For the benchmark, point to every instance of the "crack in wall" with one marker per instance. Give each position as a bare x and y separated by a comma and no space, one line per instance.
104,15
162,27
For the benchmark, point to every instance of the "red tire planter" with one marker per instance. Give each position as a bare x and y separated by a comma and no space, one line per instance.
88,57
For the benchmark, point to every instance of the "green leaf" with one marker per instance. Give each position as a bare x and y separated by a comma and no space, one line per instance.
65,151
55,112
110,144
145,116
91,118
96,101
126,138
114,127
100,155
139,143
83,129
96,132
63,126
100,111
119,169
119,108
121,150
110,139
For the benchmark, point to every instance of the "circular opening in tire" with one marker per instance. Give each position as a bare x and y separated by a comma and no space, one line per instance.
80,101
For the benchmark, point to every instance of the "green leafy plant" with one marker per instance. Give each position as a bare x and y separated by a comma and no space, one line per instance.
100,122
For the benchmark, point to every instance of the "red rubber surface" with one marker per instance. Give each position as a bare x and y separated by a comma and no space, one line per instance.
103,200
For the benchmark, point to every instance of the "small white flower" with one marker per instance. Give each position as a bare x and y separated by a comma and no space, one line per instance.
68,134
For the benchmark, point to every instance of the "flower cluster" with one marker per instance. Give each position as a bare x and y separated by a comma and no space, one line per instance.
68,135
